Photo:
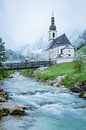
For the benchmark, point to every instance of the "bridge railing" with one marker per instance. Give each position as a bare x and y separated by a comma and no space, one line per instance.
22,65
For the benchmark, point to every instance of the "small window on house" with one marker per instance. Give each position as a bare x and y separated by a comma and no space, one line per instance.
53,35
69,54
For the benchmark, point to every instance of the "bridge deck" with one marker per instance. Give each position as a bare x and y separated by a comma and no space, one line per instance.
26,65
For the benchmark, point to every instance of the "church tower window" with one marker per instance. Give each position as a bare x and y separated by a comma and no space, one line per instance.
53,35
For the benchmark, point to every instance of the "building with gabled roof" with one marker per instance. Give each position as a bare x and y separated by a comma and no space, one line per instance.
59,47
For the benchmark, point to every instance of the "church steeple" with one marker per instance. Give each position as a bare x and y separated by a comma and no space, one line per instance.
52,29
52,26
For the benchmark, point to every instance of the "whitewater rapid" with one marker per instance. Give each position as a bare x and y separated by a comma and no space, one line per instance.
54,108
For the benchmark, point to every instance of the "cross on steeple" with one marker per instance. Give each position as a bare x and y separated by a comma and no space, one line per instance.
52,14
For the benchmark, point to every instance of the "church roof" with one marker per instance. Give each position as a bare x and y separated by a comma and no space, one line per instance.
59,41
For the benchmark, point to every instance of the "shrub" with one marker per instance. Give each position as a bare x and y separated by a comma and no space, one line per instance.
78,63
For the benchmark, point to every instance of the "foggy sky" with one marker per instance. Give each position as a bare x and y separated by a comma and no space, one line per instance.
25,21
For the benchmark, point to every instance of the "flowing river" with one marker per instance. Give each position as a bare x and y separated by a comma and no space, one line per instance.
53,108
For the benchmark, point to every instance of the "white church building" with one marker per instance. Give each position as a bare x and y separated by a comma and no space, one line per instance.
60,49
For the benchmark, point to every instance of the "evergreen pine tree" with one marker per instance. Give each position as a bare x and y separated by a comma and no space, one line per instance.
2,52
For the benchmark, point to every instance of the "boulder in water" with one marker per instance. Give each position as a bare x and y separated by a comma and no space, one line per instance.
2,99
27,93
57,82
46,103
3,96
11,76
18,112
76,88
83,85
12,109
79,107
83,94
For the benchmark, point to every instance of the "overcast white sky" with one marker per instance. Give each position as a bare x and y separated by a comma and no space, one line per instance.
24,21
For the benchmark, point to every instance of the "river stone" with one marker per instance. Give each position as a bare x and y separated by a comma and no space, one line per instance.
76,88
46,103
11,76
30,107
83,85
63,87
51,82
81,94
59,80
1,90
41,91
84,96
18,112
2,99
56,84
78,107
12,109
83,82
3,113
27,93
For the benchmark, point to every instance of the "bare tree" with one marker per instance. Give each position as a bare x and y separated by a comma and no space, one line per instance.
78,63
2,51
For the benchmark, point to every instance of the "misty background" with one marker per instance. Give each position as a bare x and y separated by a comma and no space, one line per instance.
24,24
25,21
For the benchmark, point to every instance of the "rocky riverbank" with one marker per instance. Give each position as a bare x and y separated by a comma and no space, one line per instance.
8,108
78,87
68,83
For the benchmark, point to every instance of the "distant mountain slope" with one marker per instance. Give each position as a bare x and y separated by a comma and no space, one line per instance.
12,55
25,49
41,43
82,50
77,39
35,50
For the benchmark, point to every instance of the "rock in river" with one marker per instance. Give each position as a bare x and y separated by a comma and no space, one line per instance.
18,112
2,99
82,94
12,109
76,88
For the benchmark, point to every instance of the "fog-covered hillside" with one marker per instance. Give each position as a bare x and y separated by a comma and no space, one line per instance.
36,50
25,49
41,44
36,47
77,39
12,55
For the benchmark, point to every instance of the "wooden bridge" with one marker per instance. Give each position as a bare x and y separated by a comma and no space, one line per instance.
26,65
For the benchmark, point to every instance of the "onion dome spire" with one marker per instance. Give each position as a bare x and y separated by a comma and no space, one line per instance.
52,26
